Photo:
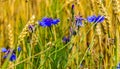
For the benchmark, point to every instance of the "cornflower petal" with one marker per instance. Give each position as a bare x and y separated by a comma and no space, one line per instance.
7,52
4,50
91,18
55,21
48,22
44,19
79,21
95,19
19,48
13,57
5,56
42,24
99,19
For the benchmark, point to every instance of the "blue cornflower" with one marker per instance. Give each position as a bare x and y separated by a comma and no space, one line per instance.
19,48
13,57
79,21
7,51
95,19
4,50
118,66
48,22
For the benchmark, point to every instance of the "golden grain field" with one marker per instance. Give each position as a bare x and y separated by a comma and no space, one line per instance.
94,46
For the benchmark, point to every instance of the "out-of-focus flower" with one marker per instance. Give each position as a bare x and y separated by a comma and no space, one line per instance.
91,18
48,22
66,39
73,6
81,65
118,66
13,57
19,48
55,21
8,51
31,28
79,21
95,19
4,50
73,33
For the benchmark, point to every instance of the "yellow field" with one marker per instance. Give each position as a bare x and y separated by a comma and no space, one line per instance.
93,47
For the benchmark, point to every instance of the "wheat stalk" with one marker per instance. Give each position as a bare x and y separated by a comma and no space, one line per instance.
108,31
25,30
11,40
107,26
34,40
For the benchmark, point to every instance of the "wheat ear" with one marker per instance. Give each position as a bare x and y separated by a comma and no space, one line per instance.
25,30
116,8
10,36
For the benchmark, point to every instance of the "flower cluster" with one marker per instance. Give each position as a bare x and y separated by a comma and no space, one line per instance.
78,22
7,52
47,22
90,19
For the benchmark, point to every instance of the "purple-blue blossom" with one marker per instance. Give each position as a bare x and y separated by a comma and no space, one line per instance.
13,57
95,19
47,22
4,50
7,52
55,21
19,48
79,21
